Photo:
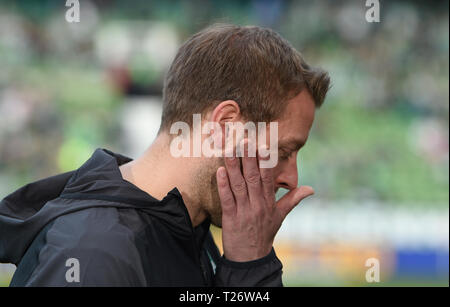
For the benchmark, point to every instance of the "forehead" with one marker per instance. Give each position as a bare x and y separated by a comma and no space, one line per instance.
297,119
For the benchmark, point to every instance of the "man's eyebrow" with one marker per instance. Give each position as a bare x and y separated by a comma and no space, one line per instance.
293,144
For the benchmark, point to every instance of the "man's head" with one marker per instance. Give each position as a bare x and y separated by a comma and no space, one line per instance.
229,73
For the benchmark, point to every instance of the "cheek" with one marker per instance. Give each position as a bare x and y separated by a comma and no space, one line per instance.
276,171
276,174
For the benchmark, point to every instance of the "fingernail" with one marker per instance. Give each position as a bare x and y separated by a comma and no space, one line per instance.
231,158
222,173
263,150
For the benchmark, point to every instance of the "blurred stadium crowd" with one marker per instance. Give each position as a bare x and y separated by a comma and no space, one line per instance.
378,151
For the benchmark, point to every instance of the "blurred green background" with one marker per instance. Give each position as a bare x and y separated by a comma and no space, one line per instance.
377,156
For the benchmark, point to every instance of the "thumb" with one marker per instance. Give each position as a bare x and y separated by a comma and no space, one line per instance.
293,198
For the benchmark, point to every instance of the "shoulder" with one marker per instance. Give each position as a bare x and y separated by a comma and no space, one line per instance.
98,242
104,229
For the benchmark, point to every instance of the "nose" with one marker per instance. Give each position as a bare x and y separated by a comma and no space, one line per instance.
287,175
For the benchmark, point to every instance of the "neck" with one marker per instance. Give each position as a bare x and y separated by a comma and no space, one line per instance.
157,173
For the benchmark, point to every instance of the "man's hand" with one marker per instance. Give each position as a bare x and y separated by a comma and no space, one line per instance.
250,215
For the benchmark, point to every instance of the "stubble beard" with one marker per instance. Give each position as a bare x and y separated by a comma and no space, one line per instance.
207,190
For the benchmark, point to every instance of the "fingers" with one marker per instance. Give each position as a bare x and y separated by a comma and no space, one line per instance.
293,198
226,196
237,182
251,174
267,182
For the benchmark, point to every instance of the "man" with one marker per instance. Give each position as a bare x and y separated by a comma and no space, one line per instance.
145,222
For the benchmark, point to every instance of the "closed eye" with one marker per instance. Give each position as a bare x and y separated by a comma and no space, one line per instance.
285,153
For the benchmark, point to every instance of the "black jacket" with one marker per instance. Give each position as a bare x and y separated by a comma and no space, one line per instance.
120,235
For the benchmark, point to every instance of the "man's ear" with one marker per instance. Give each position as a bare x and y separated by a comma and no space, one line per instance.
226,111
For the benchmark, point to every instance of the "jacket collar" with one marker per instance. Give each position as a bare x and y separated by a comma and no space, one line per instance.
100,177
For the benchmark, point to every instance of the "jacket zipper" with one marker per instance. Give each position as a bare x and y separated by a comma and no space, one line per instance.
194,242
